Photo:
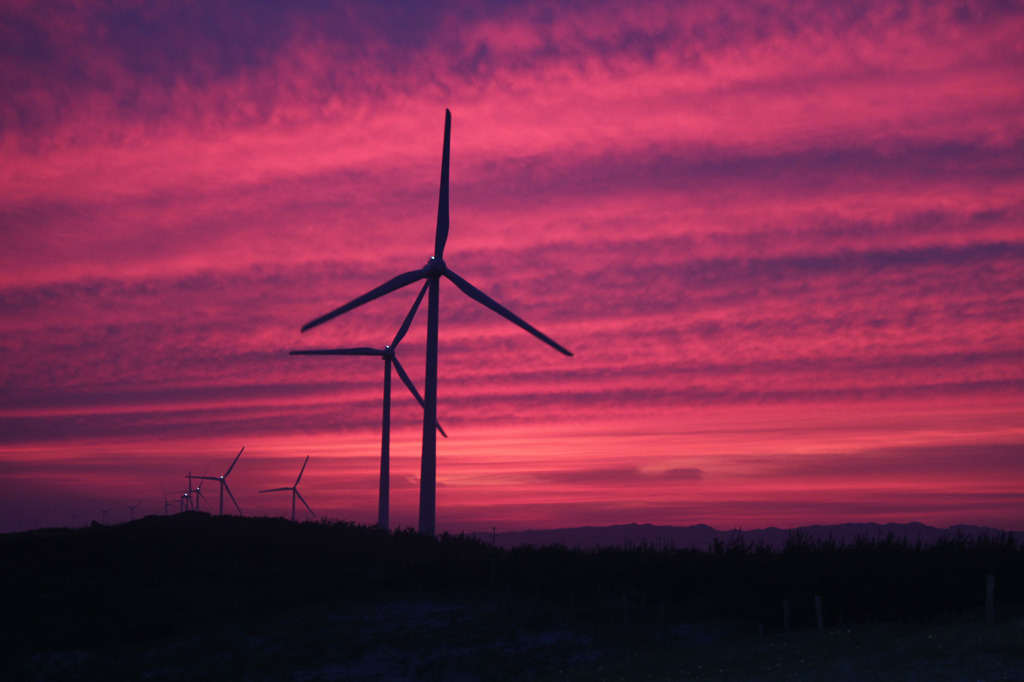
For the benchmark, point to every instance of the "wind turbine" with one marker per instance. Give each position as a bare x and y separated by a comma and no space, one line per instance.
167,503
195,493
434,269
184,498
132,508
295,491
224,484
389,357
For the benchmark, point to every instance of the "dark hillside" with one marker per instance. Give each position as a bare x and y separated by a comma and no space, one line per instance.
104,592
162,575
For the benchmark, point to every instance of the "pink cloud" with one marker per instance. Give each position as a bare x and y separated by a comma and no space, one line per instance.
792,209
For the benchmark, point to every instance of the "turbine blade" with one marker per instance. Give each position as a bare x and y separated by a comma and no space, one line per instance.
301,470
299,495
391,285
228,490
408,318
272,490
339,351
234,462
412,389
408,382
484,299
441,235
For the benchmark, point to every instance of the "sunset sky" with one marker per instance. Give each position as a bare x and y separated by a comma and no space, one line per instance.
784,240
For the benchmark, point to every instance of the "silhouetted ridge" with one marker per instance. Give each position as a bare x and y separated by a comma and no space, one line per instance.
702,536
161,576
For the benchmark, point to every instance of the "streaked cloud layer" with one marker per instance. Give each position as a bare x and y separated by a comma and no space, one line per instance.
785,241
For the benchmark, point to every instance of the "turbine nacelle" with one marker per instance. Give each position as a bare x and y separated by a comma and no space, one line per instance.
435,267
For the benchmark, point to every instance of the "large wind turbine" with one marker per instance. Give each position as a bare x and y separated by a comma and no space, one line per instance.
295,491
434,269
388,354
223,480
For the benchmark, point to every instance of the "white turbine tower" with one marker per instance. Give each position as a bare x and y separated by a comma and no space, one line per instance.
222,480
295,491
433,271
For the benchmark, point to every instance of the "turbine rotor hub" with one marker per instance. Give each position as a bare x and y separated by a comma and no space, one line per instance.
435,266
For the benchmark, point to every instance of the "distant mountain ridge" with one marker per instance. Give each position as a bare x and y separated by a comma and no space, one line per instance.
702,536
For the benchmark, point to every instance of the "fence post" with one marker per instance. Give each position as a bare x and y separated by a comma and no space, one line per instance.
817,612
990,598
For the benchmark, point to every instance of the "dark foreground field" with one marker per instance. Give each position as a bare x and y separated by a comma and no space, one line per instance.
226,598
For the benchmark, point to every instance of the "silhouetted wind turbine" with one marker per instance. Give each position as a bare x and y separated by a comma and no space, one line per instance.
195,493
132,508
434,269
224,484
388,354
295,491
184,499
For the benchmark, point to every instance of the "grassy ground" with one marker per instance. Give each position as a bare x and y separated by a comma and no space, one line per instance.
859,652
477,637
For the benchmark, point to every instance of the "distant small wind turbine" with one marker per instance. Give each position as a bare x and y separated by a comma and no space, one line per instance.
103,518
132,508
195,493
295,491
167,502
184,499
388,354
434,269
222,480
